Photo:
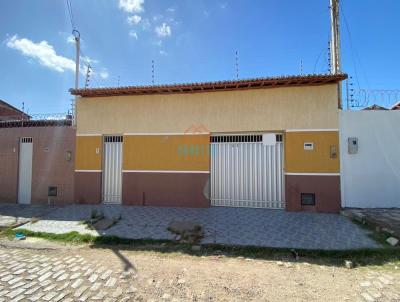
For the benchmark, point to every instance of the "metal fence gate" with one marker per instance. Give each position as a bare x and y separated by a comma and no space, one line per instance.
25,170
247,171
112,169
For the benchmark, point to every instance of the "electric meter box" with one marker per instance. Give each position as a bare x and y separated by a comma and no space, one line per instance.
352,145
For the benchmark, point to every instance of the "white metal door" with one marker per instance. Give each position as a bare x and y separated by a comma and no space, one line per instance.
112,169
247,172
25,170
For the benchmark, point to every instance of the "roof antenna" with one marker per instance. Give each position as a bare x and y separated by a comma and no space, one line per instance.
152,72
237,64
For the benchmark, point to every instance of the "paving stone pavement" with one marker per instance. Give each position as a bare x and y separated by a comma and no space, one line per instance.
379,286
384,218
11,214
27,275
222,225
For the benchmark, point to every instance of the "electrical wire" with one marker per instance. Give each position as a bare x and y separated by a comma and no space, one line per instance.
354,53
71,14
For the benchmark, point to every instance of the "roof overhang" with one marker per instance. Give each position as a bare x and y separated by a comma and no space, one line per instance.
256,83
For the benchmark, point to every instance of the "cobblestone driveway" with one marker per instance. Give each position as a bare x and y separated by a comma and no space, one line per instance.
32,276
86,274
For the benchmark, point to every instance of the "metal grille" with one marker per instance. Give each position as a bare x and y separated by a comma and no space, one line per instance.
112,169
247,173
26,140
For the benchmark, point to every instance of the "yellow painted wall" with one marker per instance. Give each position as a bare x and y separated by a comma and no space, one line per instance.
86,157
168,152
298,160
307,107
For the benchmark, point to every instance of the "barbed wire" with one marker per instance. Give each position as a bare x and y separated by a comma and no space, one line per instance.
366,97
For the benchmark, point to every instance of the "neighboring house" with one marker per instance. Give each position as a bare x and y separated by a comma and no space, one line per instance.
396,106
265,142
375,107
36,159
10,113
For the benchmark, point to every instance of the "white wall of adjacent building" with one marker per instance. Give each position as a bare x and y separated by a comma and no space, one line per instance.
370,178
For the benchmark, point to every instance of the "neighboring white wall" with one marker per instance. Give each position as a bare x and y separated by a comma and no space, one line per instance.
370,178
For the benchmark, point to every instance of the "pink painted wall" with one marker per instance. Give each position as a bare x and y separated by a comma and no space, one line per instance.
50,166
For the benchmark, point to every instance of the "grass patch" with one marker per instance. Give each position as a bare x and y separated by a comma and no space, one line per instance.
75,237
379,237
362,257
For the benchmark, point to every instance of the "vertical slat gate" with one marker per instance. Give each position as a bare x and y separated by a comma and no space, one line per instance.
112,169
247,173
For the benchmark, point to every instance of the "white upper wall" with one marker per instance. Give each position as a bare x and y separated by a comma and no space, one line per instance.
370,178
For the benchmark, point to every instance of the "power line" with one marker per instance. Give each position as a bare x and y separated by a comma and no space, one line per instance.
71,14
354,53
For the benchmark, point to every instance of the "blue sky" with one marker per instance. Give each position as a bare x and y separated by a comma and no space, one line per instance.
189,40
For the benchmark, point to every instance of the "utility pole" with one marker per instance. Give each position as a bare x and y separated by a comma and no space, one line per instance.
335,37
335,45
77,37
347,95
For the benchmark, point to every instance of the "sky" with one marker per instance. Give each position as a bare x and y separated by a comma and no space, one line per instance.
189,41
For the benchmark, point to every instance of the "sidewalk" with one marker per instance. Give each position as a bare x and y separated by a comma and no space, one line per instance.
222,225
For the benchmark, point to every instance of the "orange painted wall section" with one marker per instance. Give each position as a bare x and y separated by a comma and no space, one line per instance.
166,152
298,160
86,156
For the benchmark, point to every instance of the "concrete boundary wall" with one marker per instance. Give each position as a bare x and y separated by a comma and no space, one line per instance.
52,163
371,177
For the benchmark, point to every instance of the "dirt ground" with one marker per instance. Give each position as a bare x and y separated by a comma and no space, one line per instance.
175,276
214,278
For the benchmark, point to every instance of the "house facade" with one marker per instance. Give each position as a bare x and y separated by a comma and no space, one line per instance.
266,142
10,113
36,160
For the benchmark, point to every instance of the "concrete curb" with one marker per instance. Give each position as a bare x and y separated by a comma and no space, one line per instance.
366,220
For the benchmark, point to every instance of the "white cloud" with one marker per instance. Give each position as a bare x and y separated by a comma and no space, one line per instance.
131,6
133,34
223,5
88,60
45,55
71,39
163,53
145,24
171,10
41,52
157,17
135,19
163,30
104,74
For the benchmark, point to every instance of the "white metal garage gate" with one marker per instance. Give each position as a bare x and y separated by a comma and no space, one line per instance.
247,171
112,169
